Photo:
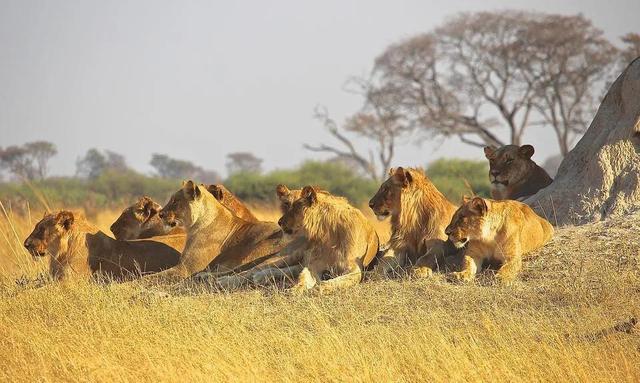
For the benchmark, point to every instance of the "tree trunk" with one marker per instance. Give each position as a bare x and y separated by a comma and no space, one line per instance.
600,177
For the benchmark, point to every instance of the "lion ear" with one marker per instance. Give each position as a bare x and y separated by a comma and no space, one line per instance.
490,151
309,194
282,191
479,205
216,190
402,176
65,219
191,189
465,199
391,171
526,151
148,206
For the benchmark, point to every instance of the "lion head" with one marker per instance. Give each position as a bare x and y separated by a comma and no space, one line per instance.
286,197
231,202
468,222
50,234
509,164
387,200
292,219
136,219
181,206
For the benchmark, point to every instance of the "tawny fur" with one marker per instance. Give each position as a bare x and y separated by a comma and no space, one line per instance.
141,219
231,202
81,250
500,232
513,174
340,240
217,240
419,215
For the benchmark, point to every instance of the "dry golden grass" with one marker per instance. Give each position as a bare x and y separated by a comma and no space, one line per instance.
546,327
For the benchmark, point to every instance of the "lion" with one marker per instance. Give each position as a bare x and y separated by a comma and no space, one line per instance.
513,174
141,220
419,215
217,240
500,232
288,263
231,202
78,249
341,241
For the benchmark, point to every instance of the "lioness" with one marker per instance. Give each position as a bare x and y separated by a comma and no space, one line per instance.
217,240
231,202
141,220
513,174
496,231
419,214
341,241
79,249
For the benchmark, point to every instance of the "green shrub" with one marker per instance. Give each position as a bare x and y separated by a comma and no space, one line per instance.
457,177
333,177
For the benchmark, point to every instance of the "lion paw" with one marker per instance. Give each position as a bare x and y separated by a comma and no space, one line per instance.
460,276
422,272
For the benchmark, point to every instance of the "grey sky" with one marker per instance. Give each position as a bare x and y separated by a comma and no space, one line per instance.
200,79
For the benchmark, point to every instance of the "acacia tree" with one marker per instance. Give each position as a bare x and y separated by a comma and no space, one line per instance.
167,167
482,72
569,63
243,162
377,122
29,161
94,163
631,49
41,152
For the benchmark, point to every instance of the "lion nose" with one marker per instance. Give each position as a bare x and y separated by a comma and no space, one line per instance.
371,204
162,214
495,172
448,231
280,222
28,243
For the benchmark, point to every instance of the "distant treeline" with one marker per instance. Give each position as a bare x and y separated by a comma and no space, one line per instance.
116,189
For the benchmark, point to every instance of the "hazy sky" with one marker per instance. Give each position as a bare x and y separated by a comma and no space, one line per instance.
200,79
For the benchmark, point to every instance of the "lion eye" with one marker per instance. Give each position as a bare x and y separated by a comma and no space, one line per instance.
510,160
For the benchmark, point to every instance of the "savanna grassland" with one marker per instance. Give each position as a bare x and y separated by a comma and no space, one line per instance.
565,319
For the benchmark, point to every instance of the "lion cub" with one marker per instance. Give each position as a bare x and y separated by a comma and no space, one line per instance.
496,231
513,174
340,240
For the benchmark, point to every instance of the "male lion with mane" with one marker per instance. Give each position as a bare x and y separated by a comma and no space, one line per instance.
217,240
340,240
419,214
78,249
513,174
498,232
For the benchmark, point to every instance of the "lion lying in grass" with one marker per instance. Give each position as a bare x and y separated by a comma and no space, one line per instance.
141,219
513,174
419,214
288,263
341,243
496,231
78,249
217,240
